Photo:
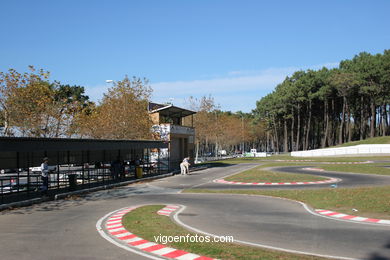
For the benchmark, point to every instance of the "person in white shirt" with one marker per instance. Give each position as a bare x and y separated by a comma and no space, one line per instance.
45,175
184,166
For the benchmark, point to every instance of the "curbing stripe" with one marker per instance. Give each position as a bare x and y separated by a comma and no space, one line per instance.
126,237
139,242
330,180
118,232
313,169
146,245
365,162
113,222
338,215
114,226
154,248
115,229
187,257
167,210
133,239
175,254
164,251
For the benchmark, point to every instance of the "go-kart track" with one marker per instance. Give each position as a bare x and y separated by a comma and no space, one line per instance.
75,229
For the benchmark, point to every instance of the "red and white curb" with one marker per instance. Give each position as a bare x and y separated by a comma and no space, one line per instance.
117,234
294,160
365,162
338,215
168,210
313,169
331,180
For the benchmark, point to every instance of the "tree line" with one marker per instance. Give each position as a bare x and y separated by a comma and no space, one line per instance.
319,108
309,109
218,130
33,106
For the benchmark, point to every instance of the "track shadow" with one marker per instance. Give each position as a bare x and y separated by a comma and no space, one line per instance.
385,255
82,199
218,164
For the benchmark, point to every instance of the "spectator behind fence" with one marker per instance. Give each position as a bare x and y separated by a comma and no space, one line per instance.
116,168
45,176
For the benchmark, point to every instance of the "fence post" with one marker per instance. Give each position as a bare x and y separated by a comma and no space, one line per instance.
17,171
58,170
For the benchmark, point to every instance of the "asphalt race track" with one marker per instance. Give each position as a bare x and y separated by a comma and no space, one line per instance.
65,229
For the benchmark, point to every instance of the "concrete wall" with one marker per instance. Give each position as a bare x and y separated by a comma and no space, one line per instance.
255,154
349,150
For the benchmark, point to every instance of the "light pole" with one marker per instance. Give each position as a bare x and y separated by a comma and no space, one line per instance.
242,135
109,83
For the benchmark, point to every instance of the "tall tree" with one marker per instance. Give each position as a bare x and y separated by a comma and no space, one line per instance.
325,107
10,83
122,114
34,104
70,101
345,83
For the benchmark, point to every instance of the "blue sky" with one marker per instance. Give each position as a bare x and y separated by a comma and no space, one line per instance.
237,51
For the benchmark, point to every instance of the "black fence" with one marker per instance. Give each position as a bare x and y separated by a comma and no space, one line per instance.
27,183
74,164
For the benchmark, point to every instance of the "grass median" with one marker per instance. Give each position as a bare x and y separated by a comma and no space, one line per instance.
258,174
369,168
373,202
289,159
377,168
373,140
146,223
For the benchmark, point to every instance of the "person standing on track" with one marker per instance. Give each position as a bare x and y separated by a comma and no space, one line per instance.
184,166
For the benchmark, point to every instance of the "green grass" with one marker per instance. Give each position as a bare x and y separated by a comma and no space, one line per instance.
259,175
376,168
144,222
371,168
295,159
371,202
374,140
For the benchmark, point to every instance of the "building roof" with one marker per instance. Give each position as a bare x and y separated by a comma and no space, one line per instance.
17,152
25,144
169,110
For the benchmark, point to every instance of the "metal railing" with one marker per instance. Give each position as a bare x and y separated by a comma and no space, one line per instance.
26,185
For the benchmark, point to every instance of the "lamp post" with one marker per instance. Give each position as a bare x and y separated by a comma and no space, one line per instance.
109,83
